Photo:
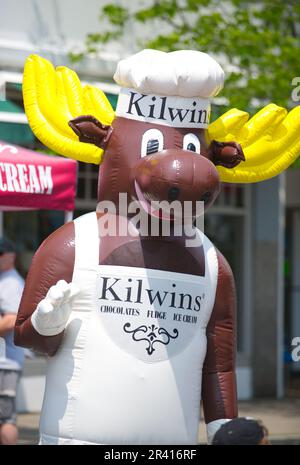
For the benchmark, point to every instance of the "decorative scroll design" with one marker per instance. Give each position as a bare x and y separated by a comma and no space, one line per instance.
152,335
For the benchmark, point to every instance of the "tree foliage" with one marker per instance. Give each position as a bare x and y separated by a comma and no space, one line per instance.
257,43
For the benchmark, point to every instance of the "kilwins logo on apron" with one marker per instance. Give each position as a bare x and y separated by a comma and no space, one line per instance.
151,314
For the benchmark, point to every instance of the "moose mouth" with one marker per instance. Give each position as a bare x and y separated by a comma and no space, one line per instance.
152,205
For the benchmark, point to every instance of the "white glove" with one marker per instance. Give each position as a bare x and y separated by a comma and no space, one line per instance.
212,428
52,313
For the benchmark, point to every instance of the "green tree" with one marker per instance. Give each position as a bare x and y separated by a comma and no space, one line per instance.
257,43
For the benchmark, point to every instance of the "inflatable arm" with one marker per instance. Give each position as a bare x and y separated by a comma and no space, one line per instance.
219,393
54,260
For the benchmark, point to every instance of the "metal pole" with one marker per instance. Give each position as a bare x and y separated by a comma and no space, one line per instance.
280,286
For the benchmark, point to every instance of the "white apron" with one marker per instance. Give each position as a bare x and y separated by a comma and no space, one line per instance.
129,368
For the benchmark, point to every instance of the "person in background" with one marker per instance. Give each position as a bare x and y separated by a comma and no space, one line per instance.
11,357
242,431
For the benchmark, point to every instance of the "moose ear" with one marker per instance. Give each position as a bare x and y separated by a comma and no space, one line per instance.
90,130
227,154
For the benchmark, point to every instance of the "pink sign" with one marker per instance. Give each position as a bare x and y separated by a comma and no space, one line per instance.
29,179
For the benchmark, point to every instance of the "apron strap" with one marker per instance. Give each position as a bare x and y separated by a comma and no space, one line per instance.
211,263
86,241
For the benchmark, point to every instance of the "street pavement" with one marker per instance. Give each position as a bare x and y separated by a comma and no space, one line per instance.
281,417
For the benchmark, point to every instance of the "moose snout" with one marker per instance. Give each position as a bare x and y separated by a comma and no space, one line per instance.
176,174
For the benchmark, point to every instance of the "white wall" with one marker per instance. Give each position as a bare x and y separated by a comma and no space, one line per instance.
52,28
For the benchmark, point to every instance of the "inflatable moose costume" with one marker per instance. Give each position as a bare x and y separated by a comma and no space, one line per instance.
138,328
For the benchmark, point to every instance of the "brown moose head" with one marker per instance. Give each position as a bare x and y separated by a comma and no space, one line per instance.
155,149
152,162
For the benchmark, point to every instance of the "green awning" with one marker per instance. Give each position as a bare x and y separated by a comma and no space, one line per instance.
113,98
16,133
10,107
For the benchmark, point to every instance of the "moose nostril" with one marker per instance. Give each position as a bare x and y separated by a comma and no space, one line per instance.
205,197
173,193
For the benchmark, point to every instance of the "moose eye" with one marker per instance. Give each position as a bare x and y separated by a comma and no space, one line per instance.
191,142
152,142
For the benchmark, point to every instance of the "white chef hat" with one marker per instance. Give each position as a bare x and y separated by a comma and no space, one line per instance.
172,89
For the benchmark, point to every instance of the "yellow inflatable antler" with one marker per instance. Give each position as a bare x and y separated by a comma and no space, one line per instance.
270,141
52,98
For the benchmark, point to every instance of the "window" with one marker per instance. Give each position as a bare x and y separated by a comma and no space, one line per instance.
228,226
87,186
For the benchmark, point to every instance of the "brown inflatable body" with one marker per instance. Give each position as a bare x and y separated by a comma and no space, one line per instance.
195,177
151,324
